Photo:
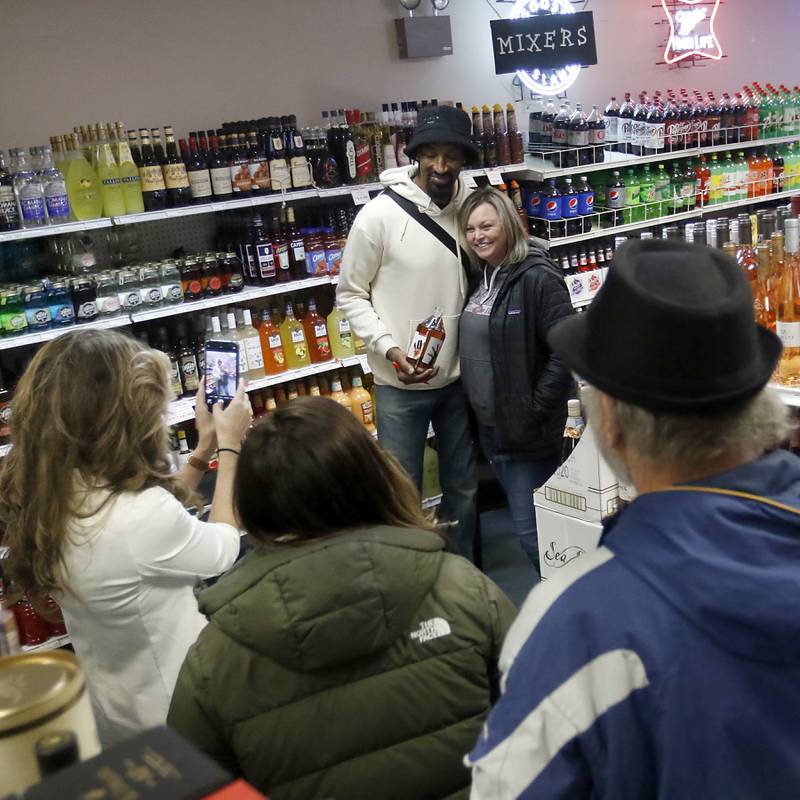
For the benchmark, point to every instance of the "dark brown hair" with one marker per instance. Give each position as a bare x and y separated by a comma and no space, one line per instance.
311,469
89,413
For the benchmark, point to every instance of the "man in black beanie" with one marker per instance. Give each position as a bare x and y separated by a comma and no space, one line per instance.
666,664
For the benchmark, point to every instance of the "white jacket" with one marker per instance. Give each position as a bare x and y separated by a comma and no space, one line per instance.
394,273
132,614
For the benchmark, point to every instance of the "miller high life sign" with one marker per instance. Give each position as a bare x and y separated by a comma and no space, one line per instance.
691,30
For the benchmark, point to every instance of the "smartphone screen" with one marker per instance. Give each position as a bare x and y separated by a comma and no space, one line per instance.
222,371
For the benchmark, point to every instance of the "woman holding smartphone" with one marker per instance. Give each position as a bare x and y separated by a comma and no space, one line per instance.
517,387
92,514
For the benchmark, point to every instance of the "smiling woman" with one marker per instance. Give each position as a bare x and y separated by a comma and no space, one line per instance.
516,386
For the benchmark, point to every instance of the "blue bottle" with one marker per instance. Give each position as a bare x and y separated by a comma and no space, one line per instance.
554,226
569,208
585,204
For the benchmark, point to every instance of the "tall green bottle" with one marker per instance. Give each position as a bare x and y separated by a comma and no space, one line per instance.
129,173
110,180
83,185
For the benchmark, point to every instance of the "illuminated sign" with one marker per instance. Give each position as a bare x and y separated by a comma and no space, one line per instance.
545,42
691,30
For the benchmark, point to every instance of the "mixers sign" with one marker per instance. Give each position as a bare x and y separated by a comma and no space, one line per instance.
691,30
545,42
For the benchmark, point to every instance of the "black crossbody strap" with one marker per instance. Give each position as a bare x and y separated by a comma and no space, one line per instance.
432,227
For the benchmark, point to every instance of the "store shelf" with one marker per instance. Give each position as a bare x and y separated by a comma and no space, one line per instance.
50,644
53,230
248,294
599,233
789,396
38,338
541,169
183,410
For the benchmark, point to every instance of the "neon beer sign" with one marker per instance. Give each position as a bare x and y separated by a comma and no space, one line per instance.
691,30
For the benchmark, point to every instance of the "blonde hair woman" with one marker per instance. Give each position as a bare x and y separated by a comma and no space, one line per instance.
517,387
93,514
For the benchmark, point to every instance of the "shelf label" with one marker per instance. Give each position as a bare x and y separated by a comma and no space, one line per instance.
469,182
494,175
360,196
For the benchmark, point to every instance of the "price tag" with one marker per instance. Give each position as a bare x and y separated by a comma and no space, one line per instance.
360,196
494,175
469,182
365,366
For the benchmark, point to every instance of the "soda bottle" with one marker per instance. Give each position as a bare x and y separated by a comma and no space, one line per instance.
677,201
729,176
597,136
690,186
611,121
585,204
569,208
553,224
742,176
639,126
715,181
726,120
625,125
650,208
663,187
548,119
778,166
739,109
616,199
714,119
578,152
634,211
703,181
534,122
560,135
673,139
427,341
655,130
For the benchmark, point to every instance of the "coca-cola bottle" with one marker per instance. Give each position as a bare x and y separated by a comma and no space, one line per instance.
701,119
611,120
740,111
726,120
625,125
687,122
597,136
578,152
560,134
714,119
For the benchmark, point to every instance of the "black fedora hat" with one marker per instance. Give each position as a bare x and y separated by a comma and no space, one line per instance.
443,125
671,330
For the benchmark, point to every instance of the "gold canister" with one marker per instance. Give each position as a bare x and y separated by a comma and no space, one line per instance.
40,693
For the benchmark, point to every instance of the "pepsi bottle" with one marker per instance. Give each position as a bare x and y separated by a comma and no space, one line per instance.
569,208
551,211
585,204
616,198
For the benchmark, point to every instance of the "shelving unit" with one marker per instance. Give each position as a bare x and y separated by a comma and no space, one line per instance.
702,211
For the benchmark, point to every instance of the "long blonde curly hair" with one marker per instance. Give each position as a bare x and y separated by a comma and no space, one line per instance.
89,411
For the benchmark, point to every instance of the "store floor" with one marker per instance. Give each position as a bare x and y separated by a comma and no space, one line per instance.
503,559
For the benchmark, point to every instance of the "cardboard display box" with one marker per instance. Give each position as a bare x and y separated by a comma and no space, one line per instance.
563,540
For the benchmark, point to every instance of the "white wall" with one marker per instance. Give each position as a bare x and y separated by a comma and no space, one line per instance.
196,63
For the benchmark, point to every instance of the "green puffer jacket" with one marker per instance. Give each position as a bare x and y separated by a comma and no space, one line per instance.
356,667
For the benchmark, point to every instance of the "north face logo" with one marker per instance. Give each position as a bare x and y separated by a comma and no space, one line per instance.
432,629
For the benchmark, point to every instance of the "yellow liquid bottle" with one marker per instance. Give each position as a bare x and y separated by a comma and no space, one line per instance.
128,173
361,404
339,334
83,185
338,395
110,181
294,340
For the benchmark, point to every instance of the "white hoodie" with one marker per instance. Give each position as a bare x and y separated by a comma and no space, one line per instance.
394,273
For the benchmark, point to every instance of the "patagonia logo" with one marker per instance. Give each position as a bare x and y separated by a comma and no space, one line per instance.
431,629
513,311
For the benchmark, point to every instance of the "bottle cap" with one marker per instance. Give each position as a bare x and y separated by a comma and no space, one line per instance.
573,407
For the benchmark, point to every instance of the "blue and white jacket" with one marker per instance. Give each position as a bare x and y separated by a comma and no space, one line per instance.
666,664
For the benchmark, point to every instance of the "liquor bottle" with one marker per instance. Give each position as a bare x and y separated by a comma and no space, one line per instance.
294,339
501,135
787,324
162,343
347,161
746,256
764,306
187,361
280,175
55,190
109,175
263,254
389,154
158,148
427,341
272,350
364,166
340,334
128,171
573,430
259,169
490,158
297,250
133,144
280,249
154,191
316,335
176,180
233,333
337,394
29,192
221,184
9,213
361,404
239,165
198,174
477,138
250,342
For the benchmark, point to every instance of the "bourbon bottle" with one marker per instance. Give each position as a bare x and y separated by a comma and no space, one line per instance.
427,341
